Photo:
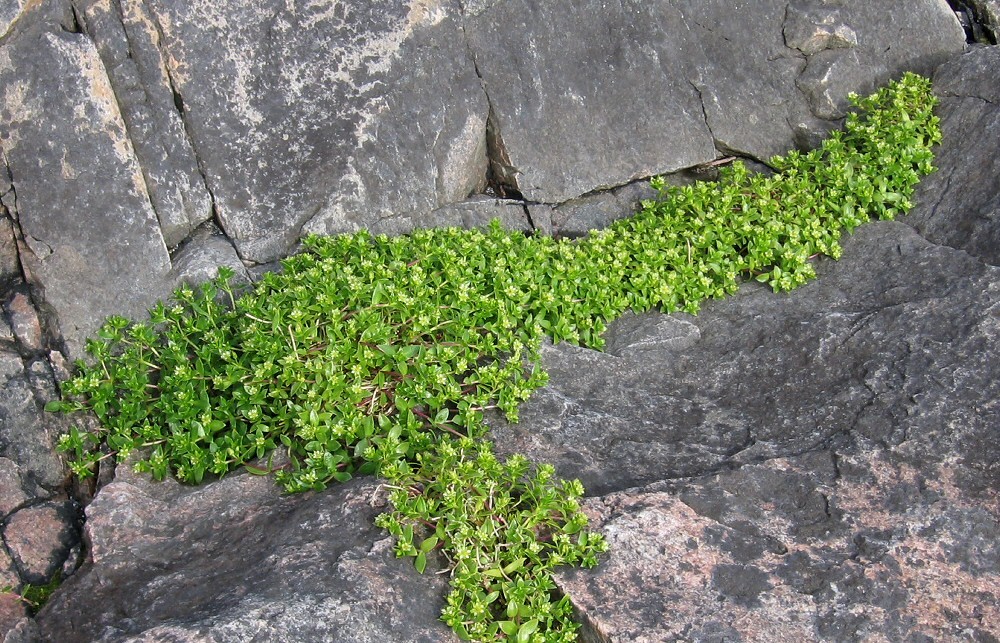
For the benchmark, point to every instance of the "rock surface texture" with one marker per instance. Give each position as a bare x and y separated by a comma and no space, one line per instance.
815,465
129,123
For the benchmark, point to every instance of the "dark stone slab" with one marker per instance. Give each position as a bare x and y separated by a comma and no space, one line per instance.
963,199
588,94
235,560
763,375
324,117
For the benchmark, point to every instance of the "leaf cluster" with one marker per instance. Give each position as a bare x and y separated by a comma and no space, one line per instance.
371,354
503,527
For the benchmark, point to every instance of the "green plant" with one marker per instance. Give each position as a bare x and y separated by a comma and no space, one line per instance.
35,596
371,354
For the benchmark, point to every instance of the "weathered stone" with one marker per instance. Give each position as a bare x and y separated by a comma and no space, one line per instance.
27,435
570,97
331,115
746,75
476,212
6,338
762,375
11,494
12,611
41,537
10,11
813,29
577,217
829,77
92,239
24,321
964,203
841,547
10,267
980,18
236,560
203,254
571,87
128,41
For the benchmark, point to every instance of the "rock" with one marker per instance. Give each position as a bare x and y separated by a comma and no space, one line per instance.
817,465
127,40
571,88
92,240
326,117
235,560
24,321
27,434
41,537
811,29
761,375
964,204
203,254
10,266
571,99
577,217
11,494
814,547
12,612
983,18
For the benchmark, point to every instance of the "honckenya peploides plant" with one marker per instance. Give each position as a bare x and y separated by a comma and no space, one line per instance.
378,355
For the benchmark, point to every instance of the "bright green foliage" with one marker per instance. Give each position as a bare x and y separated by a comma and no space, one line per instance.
379,355
504,526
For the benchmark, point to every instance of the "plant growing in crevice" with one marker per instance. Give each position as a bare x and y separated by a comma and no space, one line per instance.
34,597
379,355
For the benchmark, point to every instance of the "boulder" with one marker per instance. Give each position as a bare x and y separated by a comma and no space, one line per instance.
92,241
235,560
573,89
476,212
846,544
591,95
41,538
324,117
201,256
962,201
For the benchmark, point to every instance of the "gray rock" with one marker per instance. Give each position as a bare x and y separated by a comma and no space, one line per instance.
811,29
577,217
984,19
24,631
572,88
10,266
964,203
24,321
10,11
235,560
324,117
127,40
762,375
204,252
11,494
829,77
579,105
27,434
92,240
